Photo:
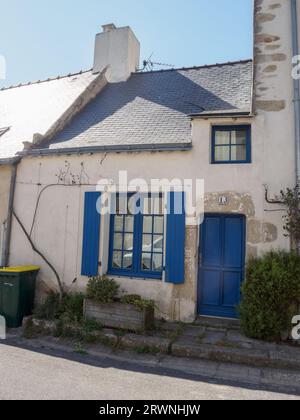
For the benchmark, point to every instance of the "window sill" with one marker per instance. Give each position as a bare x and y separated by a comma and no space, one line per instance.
132,277
232,163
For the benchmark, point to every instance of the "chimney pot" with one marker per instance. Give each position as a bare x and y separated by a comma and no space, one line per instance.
109,27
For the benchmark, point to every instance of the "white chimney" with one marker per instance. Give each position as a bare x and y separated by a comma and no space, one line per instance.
118,48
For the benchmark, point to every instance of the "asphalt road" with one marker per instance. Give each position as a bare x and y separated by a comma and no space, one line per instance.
33,375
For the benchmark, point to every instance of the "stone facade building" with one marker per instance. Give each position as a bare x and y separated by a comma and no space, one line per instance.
231,125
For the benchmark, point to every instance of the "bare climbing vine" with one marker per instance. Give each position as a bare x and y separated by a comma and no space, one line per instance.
65,178
34,248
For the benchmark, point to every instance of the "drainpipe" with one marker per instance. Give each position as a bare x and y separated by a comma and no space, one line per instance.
295,47
7,235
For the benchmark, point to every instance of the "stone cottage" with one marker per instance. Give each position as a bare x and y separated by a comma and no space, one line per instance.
231,125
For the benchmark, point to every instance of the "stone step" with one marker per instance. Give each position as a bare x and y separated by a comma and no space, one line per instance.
284,359
218,323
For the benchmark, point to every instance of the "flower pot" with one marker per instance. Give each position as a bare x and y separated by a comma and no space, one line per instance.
119,315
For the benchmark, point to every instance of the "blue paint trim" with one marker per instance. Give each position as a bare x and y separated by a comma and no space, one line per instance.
210,310
175,245
91,235
231,128
136,271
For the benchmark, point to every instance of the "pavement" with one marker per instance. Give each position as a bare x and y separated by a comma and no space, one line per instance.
50,368
42,373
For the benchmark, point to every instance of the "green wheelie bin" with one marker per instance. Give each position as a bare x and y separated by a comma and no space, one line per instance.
17,291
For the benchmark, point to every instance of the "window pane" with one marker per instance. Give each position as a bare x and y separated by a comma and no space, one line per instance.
117,260
129,223
118,241
127,260
222,137
118,223
128,241
239,137
147,224
147,206
157,205
157,263
157,243
158,224
222,153
146,261
121,204
147,243
238,153
148,251
134,204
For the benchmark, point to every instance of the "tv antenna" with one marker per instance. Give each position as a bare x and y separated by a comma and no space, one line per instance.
149,65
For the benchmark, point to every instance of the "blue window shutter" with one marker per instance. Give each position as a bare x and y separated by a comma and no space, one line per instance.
91,235
175,244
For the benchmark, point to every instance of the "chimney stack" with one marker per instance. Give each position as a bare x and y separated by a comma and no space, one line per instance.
118,48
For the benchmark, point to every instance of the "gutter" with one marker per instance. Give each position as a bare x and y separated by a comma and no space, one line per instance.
7,236
207,115
296,88
107,149
9,161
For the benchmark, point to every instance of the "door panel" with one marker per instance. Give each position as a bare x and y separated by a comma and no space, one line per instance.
211,287
231,288
233,232
212,246
222,260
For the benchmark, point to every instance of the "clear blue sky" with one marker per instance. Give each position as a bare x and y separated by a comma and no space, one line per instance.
44,38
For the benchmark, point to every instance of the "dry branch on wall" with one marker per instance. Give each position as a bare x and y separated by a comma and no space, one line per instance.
60,285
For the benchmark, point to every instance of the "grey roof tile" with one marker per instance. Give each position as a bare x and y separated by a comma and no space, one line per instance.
150,108
154,107
33,108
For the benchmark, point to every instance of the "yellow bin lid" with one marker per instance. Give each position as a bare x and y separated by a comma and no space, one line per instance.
23,269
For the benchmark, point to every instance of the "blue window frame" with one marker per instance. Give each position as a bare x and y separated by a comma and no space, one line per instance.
137,237
231,144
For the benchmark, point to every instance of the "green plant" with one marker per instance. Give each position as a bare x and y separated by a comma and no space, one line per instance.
51,308
72,306
138,302
102,289
69,307
91,325
291,199
79,349
147,350
271,295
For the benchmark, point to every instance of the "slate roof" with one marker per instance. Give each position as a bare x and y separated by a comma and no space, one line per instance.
33,108
151,108
154,108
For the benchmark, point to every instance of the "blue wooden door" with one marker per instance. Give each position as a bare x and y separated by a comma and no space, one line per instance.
222,261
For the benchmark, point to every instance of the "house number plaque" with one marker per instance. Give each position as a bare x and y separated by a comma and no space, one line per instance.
223,200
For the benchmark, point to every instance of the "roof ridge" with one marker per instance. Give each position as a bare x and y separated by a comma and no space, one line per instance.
228,63
50,79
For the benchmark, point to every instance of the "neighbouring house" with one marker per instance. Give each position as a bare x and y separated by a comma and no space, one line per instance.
230,124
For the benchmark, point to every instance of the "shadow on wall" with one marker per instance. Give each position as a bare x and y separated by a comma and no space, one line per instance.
147,106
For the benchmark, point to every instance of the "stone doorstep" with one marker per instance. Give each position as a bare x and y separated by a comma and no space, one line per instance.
218,323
